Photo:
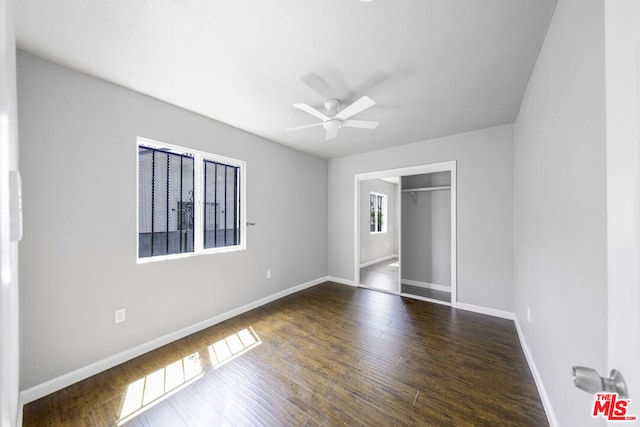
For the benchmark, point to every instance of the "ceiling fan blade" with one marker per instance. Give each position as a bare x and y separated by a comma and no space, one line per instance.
320,85
303,127
309,109
358,106
331,134
362,124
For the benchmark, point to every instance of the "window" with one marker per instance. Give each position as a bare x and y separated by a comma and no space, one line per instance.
378,212
189,202
221,227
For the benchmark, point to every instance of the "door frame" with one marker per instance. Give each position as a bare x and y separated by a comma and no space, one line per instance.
10,225
447,166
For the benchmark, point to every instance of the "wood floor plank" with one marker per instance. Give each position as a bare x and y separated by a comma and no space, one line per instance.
330,385
197,411
230,404
269,406
354,383
282,373
107,413
329,355
344,364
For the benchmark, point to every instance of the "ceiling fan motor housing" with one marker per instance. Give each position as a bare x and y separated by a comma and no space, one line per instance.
332,107
332,124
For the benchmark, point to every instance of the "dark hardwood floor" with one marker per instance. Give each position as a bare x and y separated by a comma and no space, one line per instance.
330,355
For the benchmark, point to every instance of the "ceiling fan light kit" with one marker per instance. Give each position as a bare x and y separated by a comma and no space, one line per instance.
334,120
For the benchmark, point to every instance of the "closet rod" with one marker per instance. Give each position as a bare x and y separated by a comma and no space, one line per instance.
411,190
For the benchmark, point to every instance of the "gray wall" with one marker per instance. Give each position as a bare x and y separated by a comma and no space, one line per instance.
426,231
560,207
78,257
485,208
379,245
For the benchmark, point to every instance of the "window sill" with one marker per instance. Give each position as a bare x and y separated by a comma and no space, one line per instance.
212,251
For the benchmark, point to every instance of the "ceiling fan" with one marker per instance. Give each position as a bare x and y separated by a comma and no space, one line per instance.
332,120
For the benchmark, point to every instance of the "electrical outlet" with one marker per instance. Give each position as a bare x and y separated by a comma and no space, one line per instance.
120,315
268,274
528,315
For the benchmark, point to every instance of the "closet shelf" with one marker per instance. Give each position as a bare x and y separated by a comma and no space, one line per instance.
412,190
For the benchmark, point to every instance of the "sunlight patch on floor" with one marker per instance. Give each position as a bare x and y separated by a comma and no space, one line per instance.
157,386
233,346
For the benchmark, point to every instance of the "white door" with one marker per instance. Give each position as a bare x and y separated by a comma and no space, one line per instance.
9,314
622,71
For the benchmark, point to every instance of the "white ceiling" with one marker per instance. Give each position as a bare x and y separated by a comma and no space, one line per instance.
434,67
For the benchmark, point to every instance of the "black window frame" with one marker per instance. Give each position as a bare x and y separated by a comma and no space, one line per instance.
377,212
186,215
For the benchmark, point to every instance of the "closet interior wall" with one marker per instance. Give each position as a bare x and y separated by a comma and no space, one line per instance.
426,230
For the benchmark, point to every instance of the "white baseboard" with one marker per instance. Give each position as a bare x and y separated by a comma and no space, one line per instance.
432,300
58,383
341,281
486,310
375,261
427,285
546,401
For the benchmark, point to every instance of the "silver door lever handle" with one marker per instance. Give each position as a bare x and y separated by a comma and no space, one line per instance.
589,380
250,223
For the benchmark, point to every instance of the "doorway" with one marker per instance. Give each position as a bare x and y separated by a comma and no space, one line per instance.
405,222
379,233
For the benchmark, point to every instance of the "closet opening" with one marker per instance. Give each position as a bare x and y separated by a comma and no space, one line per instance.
426,235
405,240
